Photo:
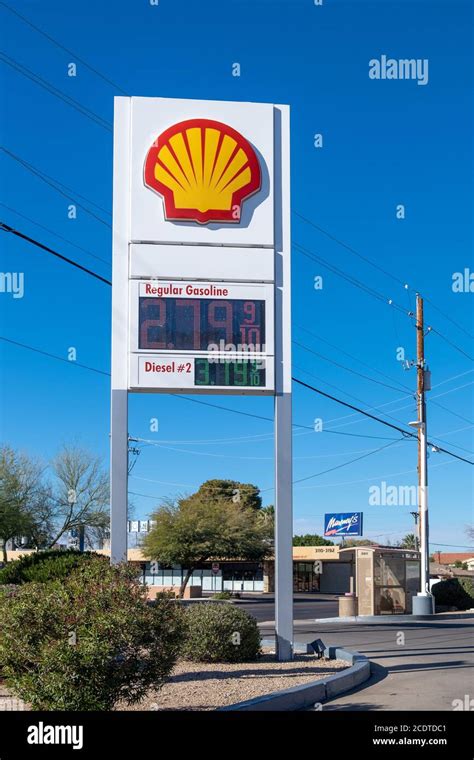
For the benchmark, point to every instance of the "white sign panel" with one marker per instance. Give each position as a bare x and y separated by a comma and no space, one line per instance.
202,172
202,262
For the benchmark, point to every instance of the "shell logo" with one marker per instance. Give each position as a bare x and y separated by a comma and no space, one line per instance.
204,170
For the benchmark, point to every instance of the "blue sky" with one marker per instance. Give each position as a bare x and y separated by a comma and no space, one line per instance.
385,142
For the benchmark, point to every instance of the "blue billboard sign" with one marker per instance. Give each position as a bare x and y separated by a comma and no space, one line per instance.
343,524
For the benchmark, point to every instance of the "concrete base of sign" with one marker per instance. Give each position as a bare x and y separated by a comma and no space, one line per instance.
423,604
314,692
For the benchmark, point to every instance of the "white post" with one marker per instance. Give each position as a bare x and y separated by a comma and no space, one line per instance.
119,370
283,399
424,526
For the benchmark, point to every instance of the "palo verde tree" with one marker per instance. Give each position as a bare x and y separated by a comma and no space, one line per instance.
204,526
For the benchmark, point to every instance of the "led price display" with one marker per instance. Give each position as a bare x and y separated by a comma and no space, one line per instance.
229,373
194,324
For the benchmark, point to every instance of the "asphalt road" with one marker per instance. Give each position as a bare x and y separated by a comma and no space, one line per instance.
305,606
416,665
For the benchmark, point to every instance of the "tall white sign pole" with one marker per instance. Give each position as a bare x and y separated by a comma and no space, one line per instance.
119,374
283,398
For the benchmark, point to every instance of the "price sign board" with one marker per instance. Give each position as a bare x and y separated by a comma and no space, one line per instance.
201,337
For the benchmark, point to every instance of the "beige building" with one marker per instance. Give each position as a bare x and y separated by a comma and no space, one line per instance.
316,568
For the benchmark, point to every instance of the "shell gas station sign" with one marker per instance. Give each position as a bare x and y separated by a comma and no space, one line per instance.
197,181
201,274
204,170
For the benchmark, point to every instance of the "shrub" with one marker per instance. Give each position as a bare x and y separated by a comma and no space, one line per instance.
44,566
454,592
220,633
468,586
88,641
222,595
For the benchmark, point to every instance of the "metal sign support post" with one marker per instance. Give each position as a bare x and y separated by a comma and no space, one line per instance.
119,373
283,398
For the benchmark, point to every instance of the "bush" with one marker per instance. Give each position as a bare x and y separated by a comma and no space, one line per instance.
220,633
44,566
222,595
88,641
454,592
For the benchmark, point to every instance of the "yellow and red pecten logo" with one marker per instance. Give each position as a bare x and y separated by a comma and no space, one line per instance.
204,170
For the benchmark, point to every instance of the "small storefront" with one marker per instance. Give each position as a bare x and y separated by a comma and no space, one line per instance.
305,579
210,576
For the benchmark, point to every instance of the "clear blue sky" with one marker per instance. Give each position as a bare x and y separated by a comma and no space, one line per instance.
385,143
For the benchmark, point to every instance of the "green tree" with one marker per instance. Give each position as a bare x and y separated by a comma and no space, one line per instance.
245,494
194,530
311,539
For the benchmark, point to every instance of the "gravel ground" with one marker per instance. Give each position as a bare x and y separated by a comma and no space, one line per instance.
201,686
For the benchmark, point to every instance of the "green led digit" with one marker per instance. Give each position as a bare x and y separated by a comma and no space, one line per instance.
240,373
201,372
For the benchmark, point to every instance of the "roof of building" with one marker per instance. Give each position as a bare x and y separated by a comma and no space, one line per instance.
445,571
449,558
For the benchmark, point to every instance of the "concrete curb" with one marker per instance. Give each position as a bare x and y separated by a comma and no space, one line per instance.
308,694
384,619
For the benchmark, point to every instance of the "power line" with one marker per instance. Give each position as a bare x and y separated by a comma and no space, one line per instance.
337,467
393,277
313,224
349,248
378,419
374,369
344,464
63,47
355,358
342,366
300,382
450,342
43,175
236,411
13,231
53,183
54,356
55,91
51,232
349,278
